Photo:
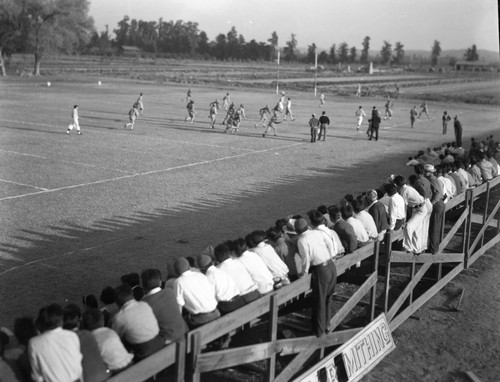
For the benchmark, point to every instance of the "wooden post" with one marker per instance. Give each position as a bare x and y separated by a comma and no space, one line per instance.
376,250
180,360
411,279
388,244
486,205
469,203
273,335
193,358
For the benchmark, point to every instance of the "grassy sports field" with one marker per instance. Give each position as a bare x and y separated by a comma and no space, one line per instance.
77,212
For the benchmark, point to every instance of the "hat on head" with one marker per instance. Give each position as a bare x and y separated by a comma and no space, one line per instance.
301,225
181,265
314,115
429,168
371,195
203,261
390,179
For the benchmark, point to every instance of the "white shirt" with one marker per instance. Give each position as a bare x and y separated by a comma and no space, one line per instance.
225,287
136,322
195,293
334,237
465,175
240,275
261,275
368,223
397,209
411,196
55,356
359,230
314,248
113,353
449,189
277,266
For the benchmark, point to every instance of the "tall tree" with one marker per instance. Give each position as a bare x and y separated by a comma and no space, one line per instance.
333,54
400,53
352,54
343,52
323,57
471,54
364,52
435,52
290,48
311,53
10,29
386,53
274,46
56,25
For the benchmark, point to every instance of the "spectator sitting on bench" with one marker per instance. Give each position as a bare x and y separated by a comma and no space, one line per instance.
226,290
195,294
164,305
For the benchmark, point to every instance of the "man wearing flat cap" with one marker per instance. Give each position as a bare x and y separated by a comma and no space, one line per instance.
315,249
196,294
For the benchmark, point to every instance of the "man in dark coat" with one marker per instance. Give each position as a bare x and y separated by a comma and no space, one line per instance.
375,123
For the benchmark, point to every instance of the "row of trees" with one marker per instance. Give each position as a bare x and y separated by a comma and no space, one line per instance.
41,26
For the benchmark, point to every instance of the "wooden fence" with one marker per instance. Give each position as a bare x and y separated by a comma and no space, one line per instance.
476,228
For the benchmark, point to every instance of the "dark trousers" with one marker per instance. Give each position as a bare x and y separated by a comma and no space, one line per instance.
322,132
195,320
252,296
323,280
374,130
458,137
229,306
314,134
145,349
435,226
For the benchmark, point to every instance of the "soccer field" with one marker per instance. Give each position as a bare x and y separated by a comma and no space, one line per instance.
77,212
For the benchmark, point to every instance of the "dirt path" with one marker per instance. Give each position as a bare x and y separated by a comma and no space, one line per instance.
443,344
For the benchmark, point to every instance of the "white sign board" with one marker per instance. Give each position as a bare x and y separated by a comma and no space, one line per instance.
359,355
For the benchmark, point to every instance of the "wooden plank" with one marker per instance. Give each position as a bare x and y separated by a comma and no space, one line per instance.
297,345
484,249
223,359
401,317
446,240
373,297
293,367
478,219
249,312
403,257
273,334
406,292
473,377
148,367
350,259
194,370
353,301
388,254
180,360
480,235
452,203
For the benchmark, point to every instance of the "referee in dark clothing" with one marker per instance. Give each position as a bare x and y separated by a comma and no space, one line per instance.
324,121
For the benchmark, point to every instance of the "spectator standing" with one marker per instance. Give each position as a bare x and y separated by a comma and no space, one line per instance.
413,115
313,246
314,125
324,122
445,118
457,125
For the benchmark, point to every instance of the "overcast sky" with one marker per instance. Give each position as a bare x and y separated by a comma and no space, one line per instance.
457,24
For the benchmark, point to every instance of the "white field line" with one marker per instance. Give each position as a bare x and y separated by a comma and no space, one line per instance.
23,154
23,184
229,157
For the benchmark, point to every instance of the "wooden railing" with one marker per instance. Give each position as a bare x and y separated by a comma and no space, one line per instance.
190,358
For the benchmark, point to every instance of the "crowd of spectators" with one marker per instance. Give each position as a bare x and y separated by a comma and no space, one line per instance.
97,338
